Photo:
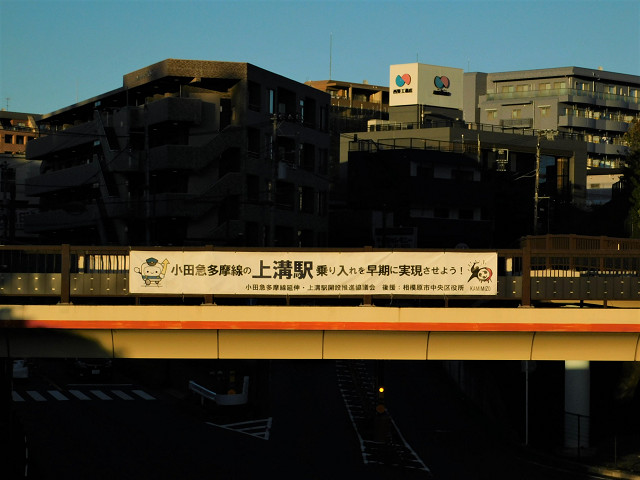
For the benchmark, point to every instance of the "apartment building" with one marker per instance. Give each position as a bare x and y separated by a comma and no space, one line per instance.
453,181
353,106
16,130
595,105
186,152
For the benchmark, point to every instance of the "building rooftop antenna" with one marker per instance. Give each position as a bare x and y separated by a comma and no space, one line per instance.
330,53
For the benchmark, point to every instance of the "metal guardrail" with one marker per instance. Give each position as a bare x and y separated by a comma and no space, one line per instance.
526,130
226,399
549,267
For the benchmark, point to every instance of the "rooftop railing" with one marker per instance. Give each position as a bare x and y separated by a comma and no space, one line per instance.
562,91
483,127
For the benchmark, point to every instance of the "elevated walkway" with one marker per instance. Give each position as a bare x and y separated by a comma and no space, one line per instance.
71,301
315,332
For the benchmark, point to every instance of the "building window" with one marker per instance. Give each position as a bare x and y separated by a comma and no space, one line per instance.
462,175
582,86
287,103
254,96
506,89
309,119
272,101
516,113
544,86
253,137
441,212
308,156
323,161
522,88
285,195
424,171
465,214
305,200
324,119
544,111
492,114
323,204
559,85
633,92
8,139
253,188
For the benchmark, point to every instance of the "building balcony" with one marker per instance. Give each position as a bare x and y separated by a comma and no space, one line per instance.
602,124
569,95
175,109
60,219
607,149
517,123
57,141
343,102
61,179
177,157
171,205
577,122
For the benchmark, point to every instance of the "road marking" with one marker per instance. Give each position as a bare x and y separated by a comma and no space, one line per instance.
36,396
143,394
255,428
79,395
394,450
57,395
122,395
101,395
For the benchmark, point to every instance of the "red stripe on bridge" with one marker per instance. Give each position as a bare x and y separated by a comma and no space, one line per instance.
346,326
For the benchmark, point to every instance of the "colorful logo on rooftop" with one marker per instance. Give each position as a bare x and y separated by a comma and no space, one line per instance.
402,80
441,83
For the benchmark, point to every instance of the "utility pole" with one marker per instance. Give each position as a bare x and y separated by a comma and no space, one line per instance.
550,135
536,198
274,180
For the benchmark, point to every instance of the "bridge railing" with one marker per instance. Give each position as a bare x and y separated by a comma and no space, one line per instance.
550,267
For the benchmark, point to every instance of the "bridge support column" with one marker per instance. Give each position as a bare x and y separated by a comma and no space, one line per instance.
577,393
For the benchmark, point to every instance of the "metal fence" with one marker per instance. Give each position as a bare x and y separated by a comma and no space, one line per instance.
550,267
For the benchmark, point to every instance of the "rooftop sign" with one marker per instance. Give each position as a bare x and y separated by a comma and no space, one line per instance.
420,84
386,273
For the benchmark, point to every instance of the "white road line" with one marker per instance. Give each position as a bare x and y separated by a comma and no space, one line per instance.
57,395
79,395
255,428
16,397
143,394
36,396
122,395
101,395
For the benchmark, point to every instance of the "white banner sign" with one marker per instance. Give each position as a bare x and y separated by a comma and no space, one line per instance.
313,273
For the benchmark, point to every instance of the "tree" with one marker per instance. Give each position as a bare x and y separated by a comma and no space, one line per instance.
631,178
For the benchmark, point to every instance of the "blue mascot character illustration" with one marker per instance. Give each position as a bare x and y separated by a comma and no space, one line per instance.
151,271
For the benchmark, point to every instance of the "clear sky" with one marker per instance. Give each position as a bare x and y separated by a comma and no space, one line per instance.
56,52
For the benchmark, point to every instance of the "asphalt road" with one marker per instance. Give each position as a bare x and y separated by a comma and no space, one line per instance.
126,429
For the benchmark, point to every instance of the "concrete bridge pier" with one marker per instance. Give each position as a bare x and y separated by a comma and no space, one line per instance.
577,381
